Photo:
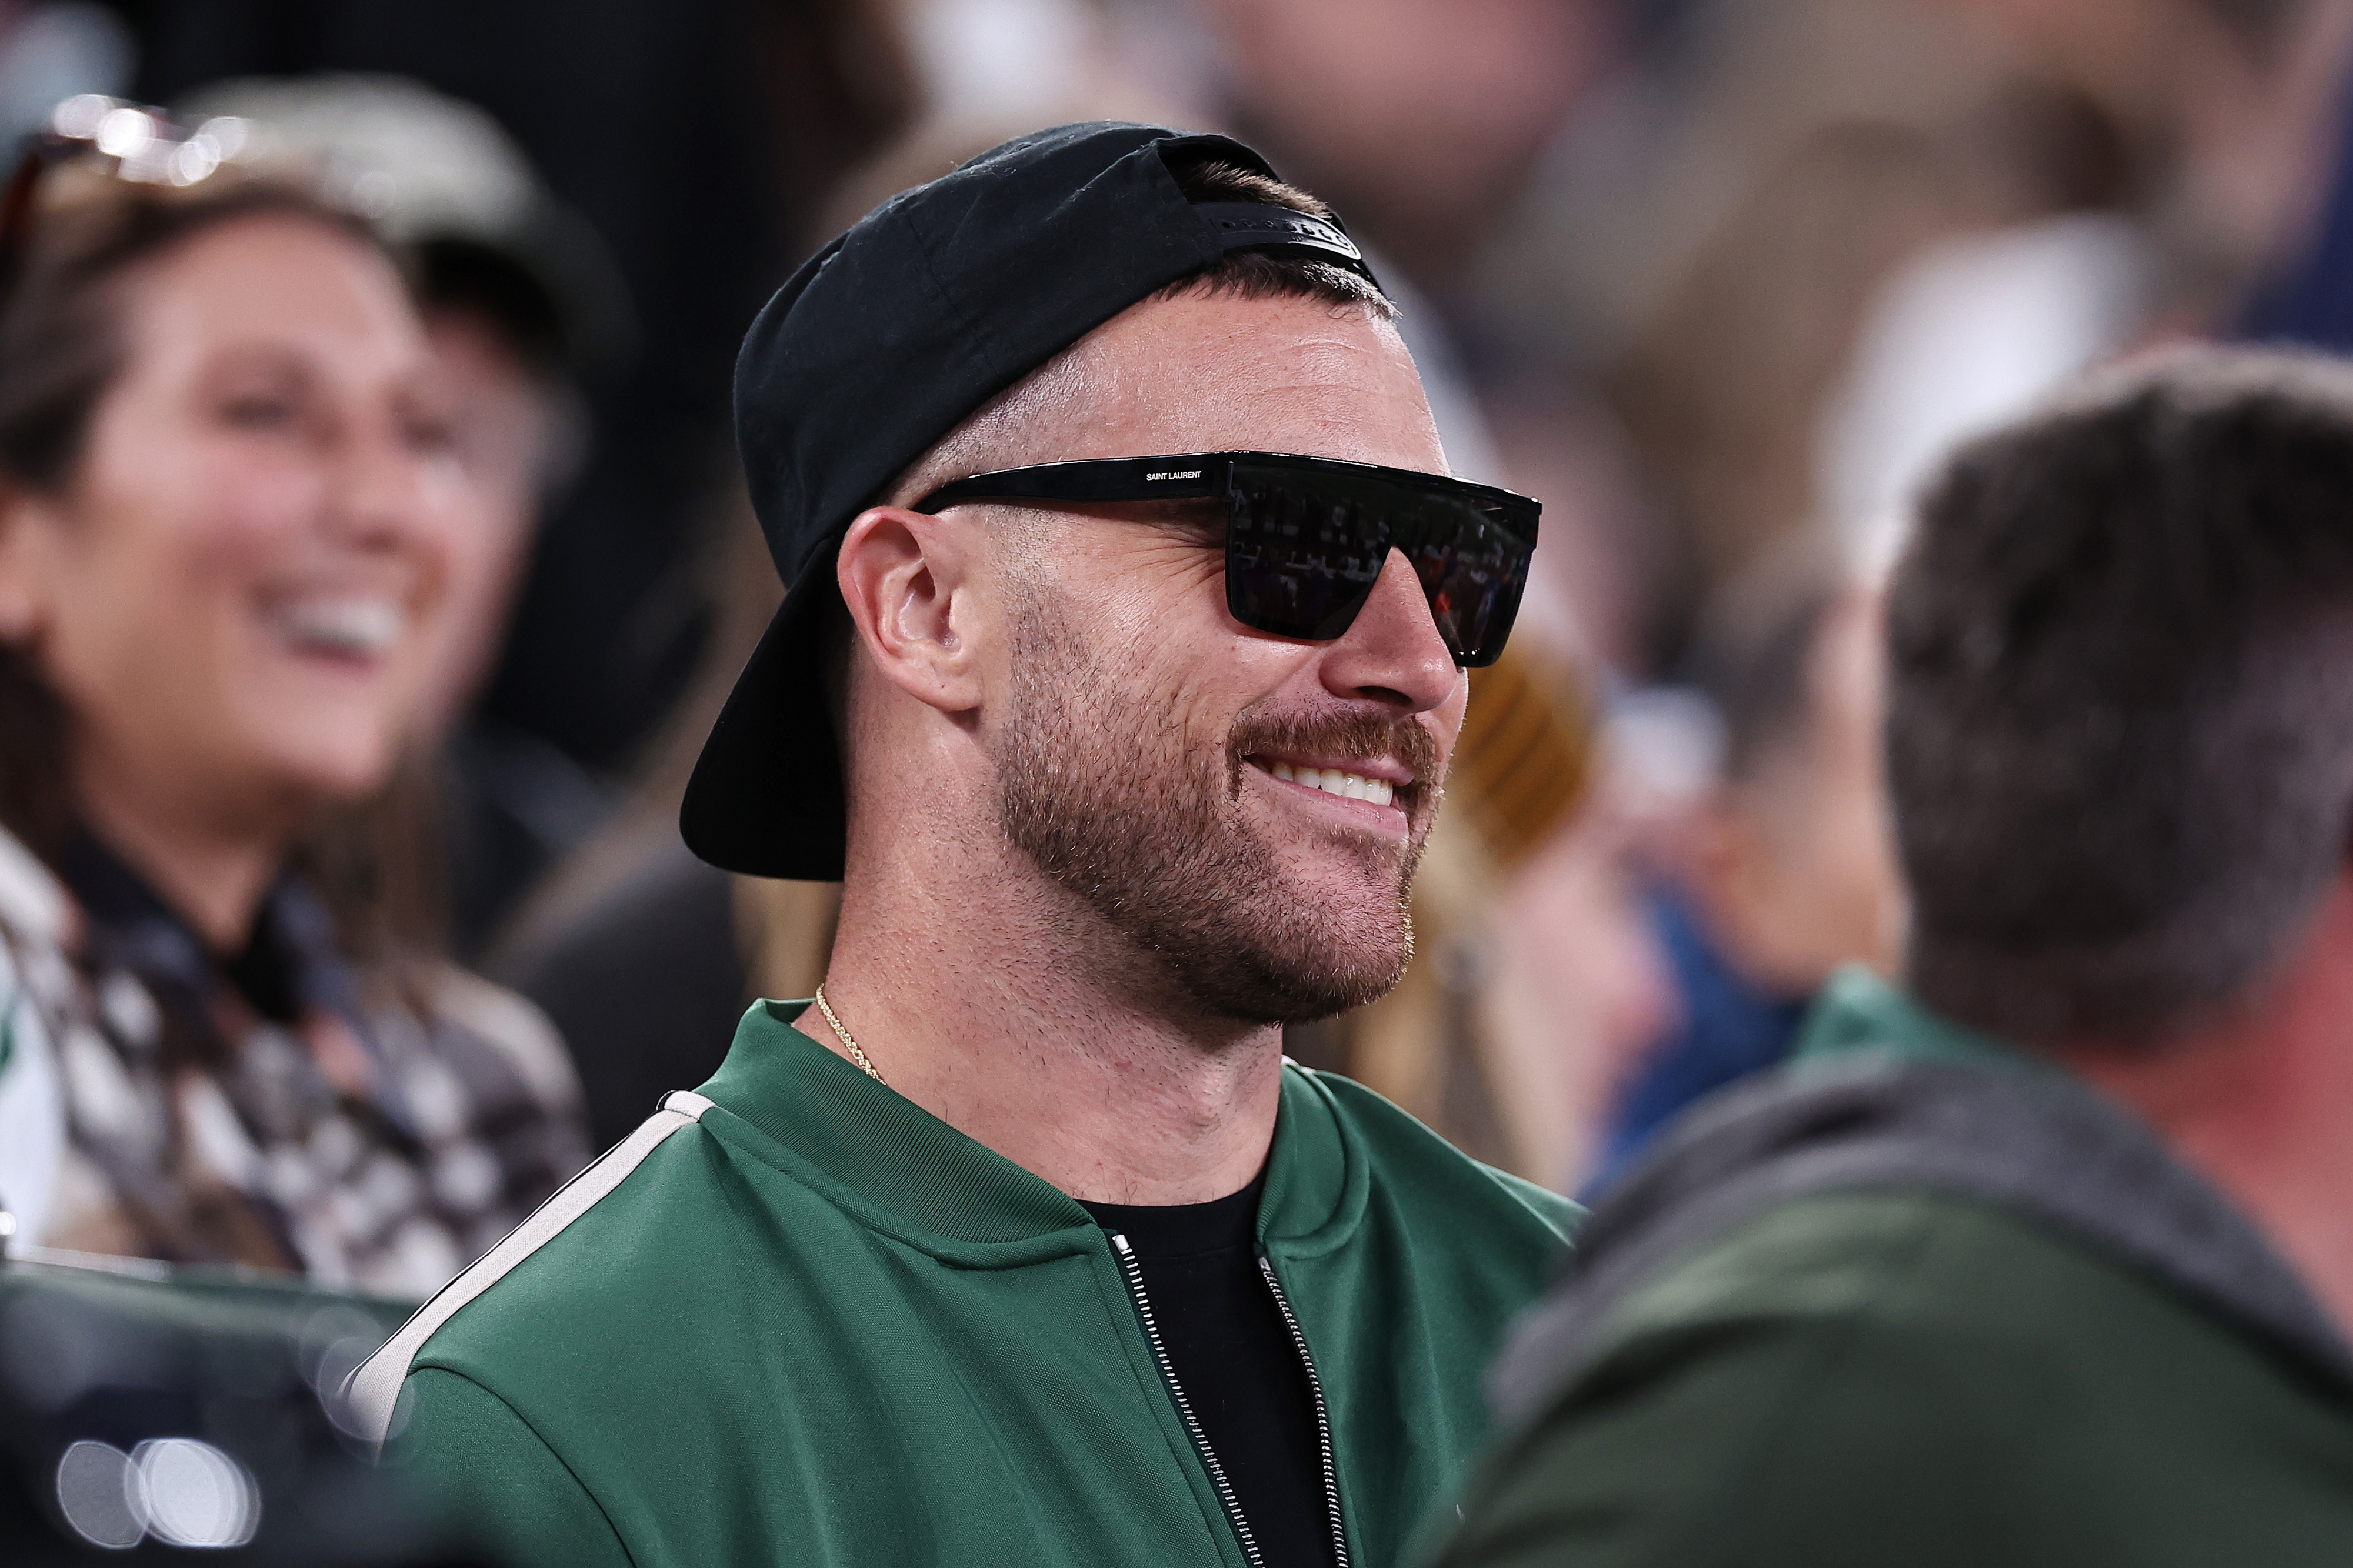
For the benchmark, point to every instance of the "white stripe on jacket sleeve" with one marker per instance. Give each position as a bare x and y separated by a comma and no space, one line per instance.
370,1396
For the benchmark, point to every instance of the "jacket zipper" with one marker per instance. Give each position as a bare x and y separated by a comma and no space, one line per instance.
1323,1414
1131,1271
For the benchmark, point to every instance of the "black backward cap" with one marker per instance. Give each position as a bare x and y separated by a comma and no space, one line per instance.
879,346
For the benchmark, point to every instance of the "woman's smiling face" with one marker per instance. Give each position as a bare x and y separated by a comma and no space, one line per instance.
241,585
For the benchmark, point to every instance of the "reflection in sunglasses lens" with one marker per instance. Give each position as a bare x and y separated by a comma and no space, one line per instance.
1302,564
1302,556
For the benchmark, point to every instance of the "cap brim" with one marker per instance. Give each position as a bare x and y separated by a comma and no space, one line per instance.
765,798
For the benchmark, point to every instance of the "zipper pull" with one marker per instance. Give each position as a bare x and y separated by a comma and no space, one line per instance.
1119,1243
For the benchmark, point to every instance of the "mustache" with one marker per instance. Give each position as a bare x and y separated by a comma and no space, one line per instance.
1340,736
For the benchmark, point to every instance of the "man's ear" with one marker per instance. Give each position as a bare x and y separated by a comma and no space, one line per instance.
908,579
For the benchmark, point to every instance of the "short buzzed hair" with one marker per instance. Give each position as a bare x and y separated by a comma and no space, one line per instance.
2120,728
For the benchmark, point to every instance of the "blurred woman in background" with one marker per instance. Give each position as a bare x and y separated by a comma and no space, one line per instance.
232,529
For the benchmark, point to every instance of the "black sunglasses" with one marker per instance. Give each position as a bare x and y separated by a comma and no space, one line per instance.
1306,537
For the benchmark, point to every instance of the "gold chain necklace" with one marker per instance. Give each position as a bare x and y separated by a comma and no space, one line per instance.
843,1035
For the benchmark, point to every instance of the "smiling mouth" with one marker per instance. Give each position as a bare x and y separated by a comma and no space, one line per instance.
352,628
1334,780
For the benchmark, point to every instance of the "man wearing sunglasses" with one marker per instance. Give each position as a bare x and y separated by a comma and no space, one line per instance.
1125,653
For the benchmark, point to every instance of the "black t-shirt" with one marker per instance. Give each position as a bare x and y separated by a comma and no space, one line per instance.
1235,1360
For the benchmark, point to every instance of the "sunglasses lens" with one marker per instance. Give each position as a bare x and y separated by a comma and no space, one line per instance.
1304,549
1472,574
1300,561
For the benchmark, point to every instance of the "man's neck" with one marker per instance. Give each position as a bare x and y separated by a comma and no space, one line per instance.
2261,1104
1023,1023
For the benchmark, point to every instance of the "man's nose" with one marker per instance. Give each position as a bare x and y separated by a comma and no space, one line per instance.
1392,653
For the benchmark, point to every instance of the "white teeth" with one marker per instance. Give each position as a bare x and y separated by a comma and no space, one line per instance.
344,626
1331,781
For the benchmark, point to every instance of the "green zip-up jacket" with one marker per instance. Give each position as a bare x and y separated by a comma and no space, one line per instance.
797,1320
1925,1301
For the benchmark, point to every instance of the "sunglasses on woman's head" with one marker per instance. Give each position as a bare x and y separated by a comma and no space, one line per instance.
138,143
1306,538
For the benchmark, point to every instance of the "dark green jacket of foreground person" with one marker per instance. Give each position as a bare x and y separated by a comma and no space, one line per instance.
797,1320
1924,1302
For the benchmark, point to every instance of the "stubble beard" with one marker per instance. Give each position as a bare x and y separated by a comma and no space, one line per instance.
1100,790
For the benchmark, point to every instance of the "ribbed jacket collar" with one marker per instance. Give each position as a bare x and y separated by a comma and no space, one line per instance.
900,1169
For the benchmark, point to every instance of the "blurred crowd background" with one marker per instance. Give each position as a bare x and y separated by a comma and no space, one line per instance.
1718,280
